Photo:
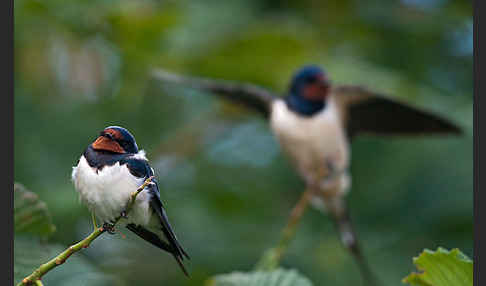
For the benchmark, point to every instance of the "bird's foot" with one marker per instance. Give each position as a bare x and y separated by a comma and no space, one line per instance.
109,227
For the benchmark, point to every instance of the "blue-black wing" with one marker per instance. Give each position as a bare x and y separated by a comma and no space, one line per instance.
150,237
368,112
141,168
250,95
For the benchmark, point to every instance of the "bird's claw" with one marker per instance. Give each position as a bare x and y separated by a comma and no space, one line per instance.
109,227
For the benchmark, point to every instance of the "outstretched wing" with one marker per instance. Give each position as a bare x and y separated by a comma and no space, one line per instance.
141,168
367,112
252,96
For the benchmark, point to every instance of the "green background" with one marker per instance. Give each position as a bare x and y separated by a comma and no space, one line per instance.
83,65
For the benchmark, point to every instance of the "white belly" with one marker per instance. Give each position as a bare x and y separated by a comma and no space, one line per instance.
107,192
313,143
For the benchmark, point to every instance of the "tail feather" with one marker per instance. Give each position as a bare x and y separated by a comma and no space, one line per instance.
339,212
169,233
155,240
158,208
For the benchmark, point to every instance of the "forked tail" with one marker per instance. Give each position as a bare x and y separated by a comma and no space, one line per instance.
338,210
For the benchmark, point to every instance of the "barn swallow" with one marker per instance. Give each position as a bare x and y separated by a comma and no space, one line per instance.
315,123
109,170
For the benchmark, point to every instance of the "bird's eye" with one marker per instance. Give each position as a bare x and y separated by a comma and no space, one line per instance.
312,79
107,135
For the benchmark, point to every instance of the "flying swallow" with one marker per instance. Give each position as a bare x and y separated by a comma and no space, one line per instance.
315,123
109,170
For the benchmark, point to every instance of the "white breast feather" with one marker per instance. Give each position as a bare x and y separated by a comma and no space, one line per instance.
107,191
313,141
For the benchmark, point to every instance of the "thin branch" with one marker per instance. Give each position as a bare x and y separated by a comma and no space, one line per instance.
272,257
93,218
35,277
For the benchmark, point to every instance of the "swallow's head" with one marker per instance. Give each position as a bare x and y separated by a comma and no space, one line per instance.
115,139
311,83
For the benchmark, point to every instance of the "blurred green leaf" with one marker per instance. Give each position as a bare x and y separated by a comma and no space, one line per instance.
442,268
31,215
30,253
277,277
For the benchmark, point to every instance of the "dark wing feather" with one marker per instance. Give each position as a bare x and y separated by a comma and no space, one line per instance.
155,240
150,237
141,168
254,97
156,205
368,112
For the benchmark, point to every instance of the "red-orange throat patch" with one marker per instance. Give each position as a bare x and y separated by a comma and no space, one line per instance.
103,143
315,91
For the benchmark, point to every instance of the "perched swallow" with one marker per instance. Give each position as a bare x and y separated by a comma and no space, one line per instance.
110,169
315,123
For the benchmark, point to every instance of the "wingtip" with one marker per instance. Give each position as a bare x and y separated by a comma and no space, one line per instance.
454,130
451,127
458,131
181,265
184,253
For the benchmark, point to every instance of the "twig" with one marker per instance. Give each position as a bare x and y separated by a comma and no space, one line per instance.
93,218
35,277
272,257
294,219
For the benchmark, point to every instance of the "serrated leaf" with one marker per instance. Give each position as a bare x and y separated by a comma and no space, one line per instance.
278,277
441,268
31,215
29,254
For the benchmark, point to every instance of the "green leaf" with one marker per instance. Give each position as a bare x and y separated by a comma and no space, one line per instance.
442,268
31,215
279,277
30,253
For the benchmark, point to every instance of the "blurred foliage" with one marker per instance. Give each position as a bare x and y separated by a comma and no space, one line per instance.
30,254
442,268
83,65
30,214
32,225
278,277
